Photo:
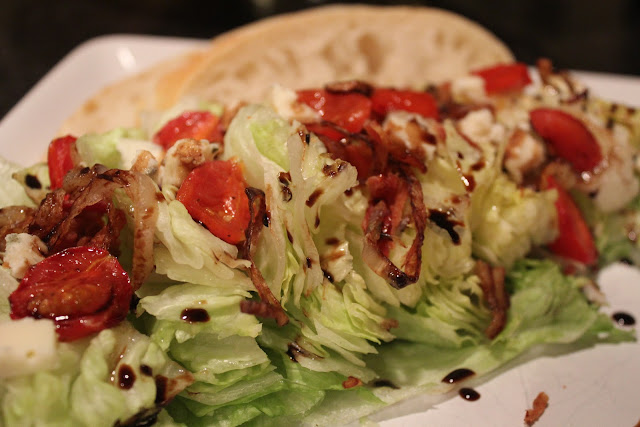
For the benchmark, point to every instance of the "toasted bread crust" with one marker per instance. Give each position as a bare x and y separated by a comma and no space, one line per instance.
401,46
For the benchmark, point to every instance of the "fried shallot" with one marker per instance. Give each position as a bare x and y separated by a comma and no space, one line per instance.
495,294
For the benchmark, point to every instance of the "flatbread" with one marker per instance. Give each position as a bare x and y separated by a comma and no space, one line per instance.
121,103
390,46
401,46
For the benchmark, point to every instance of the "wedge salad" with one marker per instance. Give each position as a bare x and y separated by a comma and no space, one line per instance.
313,258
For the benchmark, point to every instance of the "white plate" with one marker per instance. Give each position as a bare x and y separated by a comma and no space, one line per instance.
593,387
27,129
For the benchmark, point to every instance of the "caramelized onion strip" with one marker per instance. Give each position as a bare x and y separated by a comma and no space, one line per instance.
88,187
269,306
142,191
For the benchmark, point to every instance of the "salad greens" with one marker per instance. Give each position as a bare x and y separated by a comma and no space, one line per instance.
353,343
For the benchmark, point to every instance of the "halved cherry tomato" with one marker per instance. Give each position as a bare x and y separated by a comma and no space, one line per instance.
341,146
385,100
348,110
574,240
504,78
568,136
327,131
190,124
59,159
82,289
214,195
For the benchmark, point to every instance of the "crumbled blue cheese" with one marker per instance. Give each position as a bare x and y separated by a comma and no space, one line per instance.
481,127
184,156
22,251
410,128
523,154
617,185
285,102
27,345
130,150
468,89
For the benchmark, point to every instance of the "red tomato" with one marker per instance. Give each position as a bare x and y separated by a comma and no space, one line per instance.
423,103
82,289
568,136
352,150
504,78
348,110
326,131
190,124
574,240
214,195
59,159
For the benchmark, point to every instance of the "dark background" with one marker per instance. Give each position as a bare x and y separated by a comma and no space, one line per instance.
597,35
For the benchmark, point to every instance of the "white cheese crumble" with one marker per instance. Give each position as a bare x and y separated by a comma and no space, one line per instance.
285,102
184,156
27,346
130,150
468,89
408,128
22,251
480,127
523,154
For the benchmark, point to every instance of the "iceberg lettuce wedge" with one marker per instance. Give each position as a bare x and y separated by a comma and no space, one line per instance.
112,377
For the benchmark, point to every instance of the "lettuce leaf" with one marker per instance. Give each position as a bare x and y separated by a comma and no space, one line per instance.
450,314
186,248
99,381
508,221
547,307
615,233
116,148
11,192
8,284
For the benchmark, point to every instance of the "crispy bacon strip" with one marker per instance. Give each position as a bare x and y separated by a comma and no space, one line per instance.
108,236
374,224
351,382
540,404
269,306
387,148
495,294
61,223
